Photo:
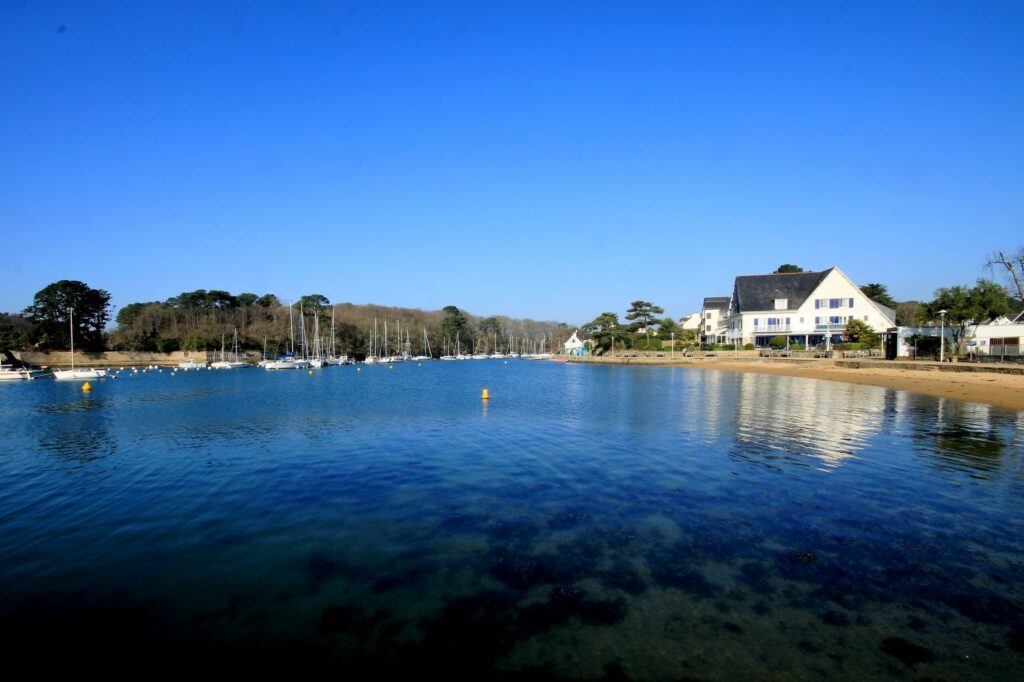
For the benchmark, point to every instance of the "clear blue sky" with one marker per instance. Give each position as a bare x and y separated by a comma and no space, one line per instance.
551,160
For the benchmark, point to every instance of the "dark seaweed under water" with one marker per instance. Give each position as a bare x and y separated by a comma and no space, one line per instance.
586,523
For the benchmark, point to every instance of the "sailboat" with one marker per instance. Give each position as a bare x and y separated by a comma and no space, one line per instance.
77,374
332,356
289,361
316,358
424,346
235,363
371,357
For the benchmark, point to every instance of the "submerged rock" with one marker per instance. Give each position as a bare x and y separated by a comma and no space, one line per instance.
906,652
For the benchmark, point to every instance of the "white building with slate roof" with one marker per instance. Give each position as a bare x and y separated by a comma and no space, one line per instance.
811,308
713,315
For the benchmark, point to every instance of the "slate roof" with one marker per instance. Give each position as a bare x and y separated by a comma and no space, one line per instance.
716,303
889,312
758,292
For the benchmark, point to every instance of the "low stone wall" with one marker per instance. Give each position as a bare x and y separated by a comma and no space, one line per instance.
109,358
926,366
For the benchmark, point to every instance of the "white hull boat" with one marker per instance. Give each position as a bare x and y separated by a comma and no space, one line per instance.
228,364
224,363
289,363
13,374
73,374
89,374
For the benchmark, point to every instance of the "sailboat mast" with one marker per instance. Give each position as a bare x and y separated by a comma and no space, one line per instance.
71,331
291,329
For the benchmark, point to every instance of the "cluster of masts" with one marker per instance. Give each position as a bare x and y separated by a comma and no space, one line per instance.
321,353
524,349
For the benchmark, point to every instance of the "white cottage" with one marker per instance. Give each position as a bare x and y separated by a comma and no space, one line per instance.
573,346
810,308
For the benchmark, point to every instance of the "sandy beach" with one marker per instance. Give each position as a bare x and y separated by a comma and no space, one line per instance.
991,387
1004,390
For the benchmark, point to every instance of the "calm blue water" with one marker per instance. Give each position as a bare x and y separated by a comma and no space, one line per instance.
586,523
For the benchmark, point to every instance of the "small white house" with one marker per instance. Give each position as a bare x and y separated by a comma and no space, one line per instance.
574,346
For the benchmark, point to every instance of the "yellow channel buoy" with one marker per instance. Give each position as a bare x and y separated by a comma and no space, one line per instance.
486,395
310,372
87,386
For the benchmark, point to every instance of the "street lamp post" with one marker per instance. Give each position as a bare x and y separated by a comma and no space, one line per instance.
942,335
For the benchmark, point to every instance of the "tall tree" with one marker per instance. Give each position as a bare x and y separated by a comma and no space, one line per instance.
51,310
489,325
667,328
642,314
879,293
911,314
605,329
966,306
1013,263
314,302
454,322
787,268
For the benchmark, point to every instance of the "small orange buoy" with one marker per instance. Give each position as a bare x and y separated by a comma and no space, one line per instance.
87,386
486,395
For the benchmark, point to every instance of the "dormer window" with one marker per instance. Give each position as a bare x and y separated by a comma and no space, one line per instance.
782,304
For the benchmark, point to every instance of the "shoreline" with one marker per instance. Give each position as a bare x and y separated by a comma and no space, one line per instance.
1002,386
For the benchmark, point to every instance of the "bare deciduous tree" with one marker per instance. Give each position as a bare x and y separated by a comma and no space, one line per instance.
1014,265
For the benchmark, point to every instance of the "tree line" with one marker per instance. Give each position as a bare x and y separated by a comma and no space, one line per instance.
198,320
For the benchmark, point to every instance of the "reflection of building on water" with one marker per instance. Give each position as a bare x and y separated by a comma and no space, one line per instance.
795,418
711,414
778,421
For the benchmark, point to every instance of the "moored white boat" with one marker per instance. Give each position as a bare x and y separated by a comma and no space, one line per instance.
229,364
8,373
191,364
79,374
287,363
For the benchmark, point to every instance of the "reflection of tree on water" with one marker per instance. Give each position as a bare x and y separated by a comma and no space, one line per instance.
799,421
960,435
76,431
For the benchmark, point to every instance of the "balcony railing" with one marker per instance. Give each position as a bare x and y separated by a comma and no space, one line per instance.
772,328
